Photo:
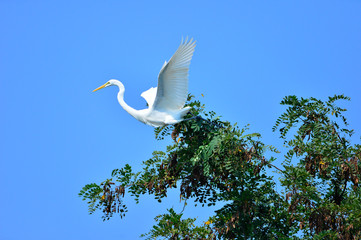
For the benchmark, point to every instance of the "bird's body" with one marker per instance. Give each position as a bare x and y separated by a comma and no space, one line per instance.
166,102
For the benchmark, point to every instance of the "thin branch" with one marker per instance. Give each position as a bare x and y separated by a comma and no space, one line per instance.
268,163
184,206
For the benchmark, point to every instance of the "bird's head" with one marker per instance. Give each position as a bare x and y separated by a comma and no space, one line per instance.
111,82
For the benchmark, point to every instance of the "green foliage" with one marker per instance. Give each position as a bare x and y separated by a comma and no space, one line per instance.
91,192
322,188
171,226
211,161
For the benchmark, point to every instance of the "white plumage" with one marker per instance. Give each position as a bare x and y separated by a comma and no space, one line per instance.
165,102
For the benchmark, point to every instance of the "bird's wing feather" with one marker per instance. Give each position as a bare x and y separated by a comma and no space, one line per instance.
172,88
149,96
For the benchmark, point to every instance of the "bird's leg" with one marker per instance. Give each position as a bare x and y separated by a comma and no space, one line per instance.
199,117
194,117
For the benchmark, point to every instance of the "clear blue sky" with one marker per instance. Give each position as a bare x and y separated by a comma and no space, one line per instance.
57,136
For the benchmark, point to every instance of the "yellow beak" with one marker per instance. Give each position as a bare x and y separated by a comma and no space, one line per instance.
102,86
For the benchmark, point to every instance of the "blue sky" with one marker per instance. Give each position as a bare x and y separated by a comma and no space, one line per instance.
57,136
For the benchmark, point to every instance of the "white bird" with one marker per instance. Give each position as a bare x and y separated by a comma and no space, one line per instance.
165,102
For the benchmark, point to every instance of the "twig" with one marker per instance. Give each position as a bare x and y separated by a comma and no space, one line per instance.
268,163
184,206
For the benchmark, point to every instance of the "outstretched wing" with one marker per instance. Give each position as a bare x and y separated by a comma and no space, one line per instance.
172,88
149,96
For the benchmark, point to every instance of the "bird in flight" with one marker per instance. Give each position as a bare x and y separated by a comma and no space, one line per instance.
166,101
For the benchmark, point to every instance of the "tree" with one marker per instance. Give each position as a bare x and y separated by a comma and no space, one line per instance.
322,188
213,161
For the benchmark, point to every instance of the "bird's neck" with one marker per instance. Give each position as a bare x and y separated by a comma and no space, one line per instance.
122,103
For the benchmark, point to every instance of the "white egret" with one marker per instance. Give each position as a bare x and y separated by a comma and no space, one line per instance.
165,102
